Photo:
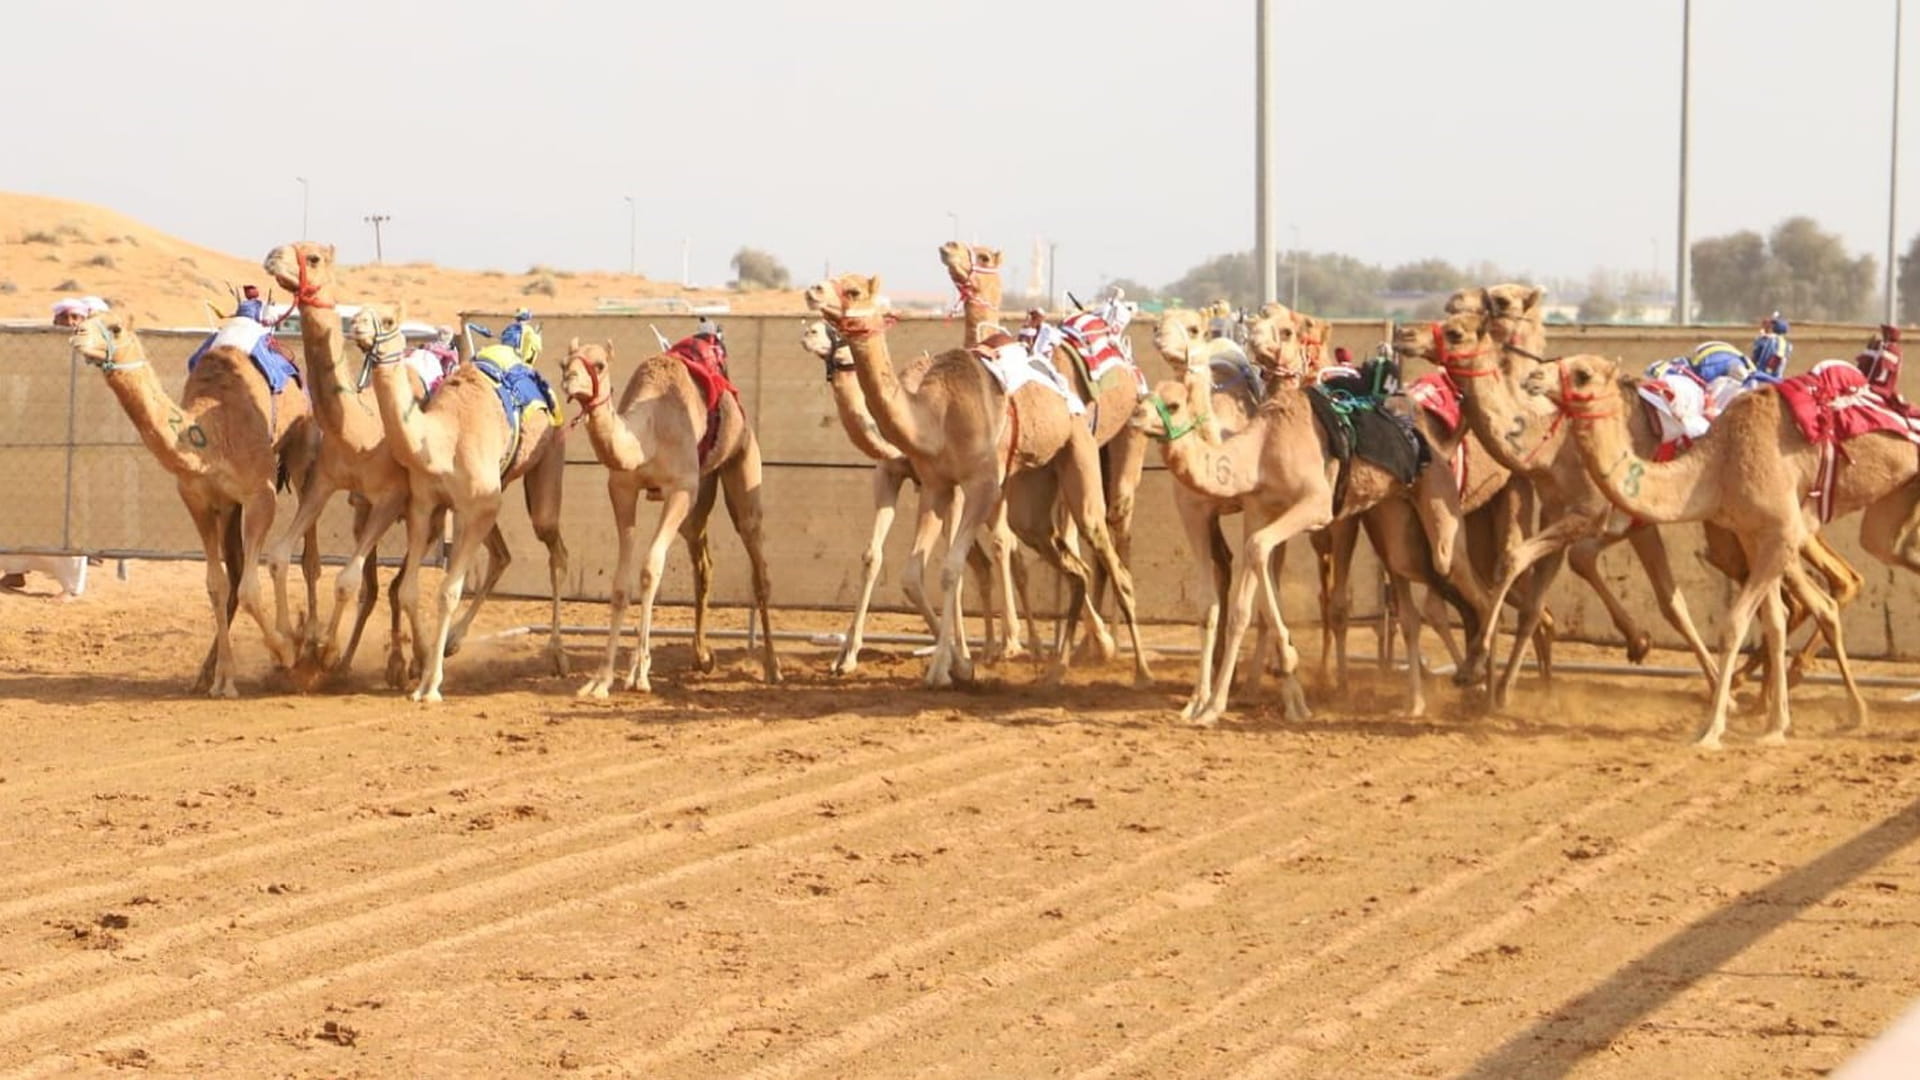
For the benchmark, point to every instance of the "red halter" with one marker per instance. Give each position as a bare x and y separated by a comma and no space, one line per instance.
1450,360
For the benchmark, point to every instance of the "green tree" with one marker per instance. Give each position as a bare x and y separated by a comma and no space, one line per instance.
755,269
1798,270
1598,307
1426,276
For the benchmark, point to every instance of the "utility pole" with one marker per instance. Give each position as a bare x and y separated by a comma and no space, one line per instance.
633,232
1295,302
305,191
1683,273
377,220
1893,179
1266,153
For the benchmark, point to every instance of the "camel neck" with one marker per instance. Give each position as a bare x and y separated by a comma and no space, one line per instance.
856,420
408,429
1525,440
1659,492
978,310
174,435
1228,469
886,399
321,340
618,446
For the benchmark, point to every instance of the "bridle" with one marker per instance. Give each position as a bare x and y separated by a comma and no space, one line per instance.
1569,398
107,362
835,342
1452,360
307,295
969,291
851,327
594,398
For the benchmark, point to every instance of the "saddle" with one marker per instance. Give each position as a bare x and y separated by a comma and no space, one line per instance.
519,388
1362,417
1834,404
253,338
1013,366
1439,395
706,362
1097,352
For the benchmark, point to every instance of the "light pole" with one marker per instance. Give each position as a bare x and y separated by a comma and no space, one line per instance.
1266,153
377,220
305,190
1683,272
1893,176
633,232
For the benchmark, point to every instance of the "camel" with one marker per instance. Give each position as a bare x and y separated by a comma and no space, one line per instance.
1280,469
892,472
1490,342
460,453
353,457
965,436
652,441
229,443
1750,474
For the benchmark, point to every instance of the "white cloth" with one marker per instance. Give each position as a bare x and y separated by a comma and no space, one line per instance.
240,333
1014,367
1680,402
426,365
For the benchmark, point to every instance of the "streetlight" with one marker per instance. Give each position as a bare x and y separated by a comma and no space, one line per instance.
633,231
1266,171
1893,173
376,220
1683,287
305,190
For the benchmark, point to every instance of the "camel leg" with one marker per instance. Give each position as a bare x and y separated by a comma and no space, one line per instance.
1262,536
499,557
466,543
354,579
676,504
962,512
1098,645
926,533
1434,613
1436,502
741,484
369,597
1122,460
310,571
1765,570
1010,577
1774,633
314,494
623,490
212,526
1652,551
1520,558
887,481
1335,545
542,487
1202,529
256,520
1531,615
1825,612
1080,487
423,528
700,552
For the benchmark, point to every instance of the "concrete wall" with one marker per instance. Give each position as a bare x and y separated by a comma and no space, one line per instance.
817,495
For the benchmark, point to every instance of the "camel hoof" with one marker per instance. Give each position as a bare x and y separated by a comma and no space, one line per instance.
1097,649
1639,647
1207,718
1708,742
595,688
1417,710
703,662
557,660
844,666
1294,703
773,675
1143,679
1773,738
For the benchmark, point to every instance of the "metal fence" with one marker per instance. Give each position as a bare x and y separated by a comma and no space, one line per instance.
80,482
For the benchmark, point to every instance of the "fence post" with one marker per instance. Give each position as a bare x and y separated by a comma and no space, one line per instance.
73,436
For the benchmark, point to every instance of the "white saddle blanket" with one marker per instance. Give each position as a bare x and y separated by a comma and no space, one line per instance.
240,333
1014,367
427,366
1679,402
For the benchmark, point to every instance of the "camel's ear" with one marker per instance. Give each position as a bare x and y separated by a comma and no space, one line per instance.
1534,296
873,286
609,350
573,345
329,252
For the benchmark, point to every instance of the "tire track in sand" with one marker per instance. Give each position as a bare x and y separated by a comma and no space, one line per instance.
1289,968
705,1033
1288,1057
543,876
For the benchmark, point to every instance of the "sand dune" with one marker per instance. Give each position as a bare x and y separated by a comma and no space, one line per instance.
52,248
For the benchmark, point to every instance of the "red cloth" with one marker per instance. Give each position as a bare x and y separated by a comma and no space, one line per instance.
1833,403
707,364
1437,394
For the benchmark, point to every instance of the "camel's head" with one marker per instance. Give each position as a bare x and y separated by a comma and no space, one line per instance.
1169,412
1583,387
107,341
304,269
1460,344
826,343
1514,313
374,325
850,303
583,377
1275,340
1416,341
1178,331
975,271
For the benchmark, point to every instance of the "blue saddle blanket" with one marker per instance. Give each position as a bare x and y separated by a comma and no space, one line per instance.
519,386
257,342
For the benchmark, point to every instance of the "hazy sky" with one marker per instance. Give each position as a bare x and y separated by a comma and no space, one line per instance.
1541,136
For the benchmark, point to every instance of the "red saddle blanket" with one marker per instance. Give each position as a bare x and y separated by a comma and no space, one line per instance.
707,363
1833,403
1436,393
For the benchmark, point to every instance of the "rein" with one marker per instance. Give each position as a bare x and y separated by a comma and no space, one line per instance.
1169,430
595,398
1450,360
106,363
835,342
307,295
1569,398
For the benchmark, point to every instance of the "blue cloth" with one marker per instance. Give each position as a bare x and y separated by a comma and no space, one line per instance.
1718,360
1771,352
276,368
252,309
519,387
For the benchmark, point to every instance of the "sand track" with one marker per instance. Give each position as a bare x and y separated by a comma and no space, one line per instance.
865,878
